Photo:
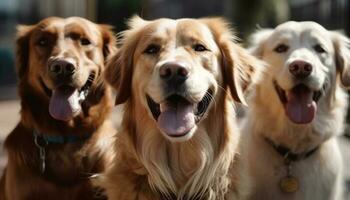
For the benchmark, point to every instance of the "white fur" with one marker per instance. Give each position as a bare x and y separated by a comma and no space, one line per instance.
320,174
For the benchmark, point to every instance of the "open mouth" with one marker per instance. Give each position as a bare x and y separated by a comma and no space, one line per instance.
65,101
176,116
300,103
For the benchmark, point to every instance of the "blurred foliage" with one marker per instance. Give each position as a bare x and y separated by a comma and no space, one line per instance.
7,72
116,12
248,15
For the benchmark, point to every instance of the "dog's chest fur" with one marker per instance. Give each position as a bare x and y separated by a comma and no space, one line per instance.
65,163
187,168
319,175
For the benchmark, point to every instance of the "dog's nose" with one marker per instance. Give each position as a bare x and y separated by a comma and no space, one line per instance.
62,67
300,69
173,72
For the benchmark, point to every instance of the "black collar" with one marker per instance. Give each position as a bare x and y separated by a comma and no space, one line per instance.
42,141
59,139
287,154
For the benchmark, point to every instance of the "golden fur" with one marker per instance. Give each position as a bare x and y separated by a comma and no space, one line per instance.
151,164
68,165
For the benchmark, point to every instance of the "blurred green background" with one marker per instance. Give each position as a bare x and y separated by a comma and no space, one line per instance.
245,15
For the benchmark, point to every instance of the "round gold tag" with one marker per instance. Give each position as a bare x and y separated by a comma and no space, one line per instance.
289,184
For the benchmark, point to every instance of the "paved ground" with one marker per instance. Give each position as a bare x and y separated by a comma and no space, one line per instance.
9,116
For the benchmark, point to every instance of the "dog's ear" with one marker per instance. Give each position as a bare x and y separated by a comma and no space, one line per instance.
119,74
22,49
257,41
239,68
120,66
136,23
109,40
342,56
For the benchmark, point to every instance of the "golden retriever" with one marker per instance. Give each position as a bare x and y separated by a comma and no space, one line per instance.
63,135
178,137
296,111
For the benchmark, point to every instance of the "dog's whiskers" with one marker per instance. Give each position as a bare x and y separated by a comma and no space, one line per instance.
234,104
208,97
223,89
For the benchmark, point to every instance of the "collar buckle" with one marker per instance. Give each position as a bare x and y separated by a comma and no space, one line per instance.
41,143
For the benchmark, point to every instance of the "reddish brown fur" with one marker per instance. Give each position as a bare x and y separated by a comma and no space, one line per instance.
68,165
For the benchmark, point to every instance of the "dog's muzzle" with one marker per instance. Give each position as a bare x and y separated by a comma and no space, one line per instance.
300,102
176,116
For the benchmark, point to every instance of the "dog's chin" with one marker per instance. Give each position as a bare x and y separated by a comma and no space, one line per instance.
177,117
300,102
65,100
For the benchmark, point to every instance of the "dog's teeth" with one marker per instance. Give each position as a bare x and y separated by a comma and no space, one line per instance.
195,108
163,107
287,94
82,95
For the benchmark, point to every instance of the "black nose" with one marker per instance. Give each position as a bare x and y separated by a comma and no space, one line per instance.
62,67
300,69
174,73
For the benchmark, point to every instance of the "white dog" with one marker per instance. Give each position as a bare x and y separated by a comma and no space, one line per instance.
295,112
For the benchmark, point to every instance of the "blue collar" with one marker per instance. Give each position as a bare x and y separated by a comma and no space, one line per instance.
59,139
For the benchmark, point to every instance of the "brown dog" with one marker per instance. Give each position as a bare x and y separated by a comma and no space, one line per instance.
63,135
178,137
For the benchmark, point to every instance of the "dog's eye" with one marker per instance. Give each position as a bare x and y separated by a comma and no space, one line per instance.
319,49
85,42
152,49
199,47
44,41
281,48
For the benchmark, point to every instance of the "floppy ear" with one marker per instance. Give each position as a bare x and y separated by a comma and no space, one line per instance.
22,49
238,66
257,41
109,40
241,70
119,74
120,67
342,56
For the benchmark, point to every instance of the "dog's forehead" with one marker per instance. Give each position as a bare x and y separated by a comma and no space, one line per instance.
69,25
83,26
161,27
177,28
299,30
51,24
193,27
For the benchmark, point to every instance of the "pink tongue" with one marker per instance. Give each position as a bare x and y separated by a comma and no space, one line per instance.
301,108
176,120
64,104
